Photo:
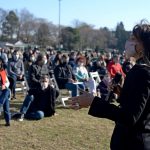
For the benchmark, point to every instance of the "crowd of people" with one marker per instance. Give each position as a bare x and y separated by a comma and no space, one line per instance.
125,77
70,69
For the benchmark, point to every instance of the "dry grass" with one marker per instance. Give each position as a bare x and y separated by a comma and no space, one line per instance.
70,130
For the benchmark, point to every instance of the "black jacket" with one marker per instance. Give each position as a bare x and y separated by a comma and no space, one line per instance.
62,73
35,73
44,100
132,130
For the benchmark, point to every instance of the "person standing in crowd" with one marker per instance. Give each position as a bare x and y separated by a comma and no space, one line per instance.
132,116
4,93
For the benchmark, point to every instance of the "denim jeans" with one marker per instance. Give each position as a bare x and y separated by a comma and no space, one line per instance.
4,100
37,115
26,104
13,84
13,80
74,88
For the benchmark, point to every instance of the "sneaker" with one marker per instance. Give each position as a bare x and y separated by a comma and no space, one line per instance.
21,117
7,124
55,114
15,115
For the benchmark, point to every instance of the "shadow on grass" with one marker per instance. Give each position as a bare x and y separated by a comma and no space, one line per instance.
15,101
2,125
62,107
16,105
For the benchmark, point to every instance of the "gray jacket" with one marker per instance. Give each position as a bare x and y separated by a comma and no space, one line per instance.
15,68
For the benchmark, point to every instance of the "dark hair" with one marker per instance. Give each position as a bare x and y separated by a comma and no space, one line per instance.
2,65
115,56
57,58
15,51
142,34
40,57
43,77
64,56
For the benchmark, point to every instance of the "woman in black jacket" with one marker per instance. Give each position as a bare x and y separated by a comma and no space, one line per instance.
132,117
39,102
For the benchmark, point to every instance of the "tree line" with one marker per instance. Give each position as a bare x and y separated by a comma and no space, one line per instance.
26,27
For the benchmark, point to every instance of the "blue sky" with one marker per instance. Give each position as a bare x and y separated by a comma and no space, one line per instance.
100,13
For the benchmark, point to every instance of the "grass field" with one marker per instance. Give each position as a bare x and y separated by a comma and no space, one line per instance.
69,130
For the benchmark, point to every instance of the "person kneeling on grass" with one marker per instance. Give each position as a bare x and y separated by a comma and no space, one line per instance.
39,102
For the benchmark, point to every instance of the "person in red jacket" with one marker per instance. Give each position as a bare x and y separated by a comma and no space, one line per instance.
4,93
115,67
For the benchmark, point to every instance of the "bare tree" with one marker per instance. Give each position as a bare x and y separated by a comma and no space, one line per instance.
53,30
43,35
27,26
3,14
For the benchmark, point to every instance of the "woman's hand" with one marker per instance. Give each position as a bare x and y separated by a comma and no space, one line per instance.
82,101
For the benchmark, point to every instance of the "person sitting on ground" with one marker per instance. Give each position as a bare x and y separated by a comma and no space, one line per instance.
65,77
4,93
39,102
